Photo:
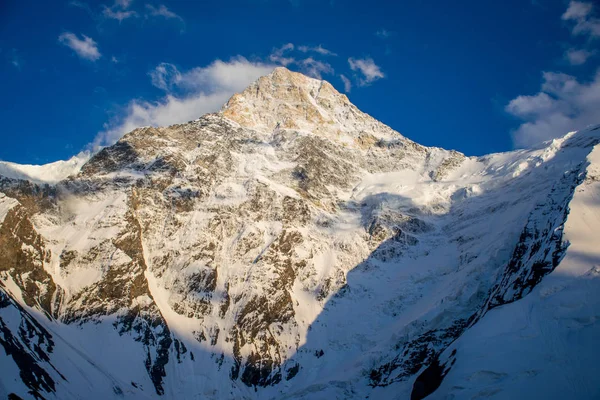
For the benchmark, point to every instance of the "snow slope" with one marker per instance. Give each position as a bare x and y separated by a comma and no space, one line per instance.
545,345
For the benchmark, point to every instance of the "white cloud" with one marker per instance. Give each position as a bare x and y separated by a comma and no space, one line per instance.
318,49
167,111
347,83
85,48
162,11
585,22
368,68
525,106
190,94
578,56
230,76
563,104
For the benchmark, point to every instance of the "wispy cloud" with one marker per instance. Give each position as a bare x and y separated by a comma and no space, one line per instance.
162,11
309,66
582,14
14,59
124,3
318,49
367,67
121,10
165,76
578,56
347,83
82,5
119,15
383,33
118,11
278,55
188,95
85,48
563,104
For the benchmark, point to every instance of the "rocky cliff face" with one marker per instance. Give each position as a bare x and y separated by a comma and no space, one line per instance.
289,245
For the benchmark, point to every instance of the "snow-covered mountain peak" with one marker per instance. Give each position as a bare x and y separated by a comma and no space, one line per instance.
290,100
281,107
291,246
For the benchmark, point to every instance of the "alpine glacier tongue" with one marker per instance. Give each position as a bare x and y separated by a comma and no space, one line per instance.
291,246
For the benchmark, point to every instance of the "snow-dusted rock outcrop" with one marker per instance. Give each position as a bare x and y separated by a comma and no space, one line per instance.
287,246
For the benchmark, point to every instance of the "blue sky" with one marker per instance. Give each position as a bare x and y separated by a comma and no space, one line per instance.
475,76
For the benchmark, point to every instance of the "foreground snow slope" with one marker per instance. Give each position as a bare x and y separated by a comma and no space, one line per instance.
291,246
544,346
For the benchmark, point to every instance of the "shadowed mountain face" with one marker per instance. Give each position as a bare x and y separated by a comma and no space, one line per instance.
289,246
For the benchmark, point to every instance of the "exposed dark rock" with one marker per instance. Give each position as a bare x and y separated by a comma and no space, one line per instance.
22,256
29,348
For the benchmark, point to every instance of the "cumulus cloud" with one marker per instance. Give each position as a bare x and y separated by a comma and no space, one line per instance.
85,48
563,104
367,67
347,83
582,14
189,94
578,56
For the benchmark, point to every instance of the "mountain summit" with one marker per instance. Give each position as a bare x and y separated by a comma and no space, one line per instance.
290,100
291,246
